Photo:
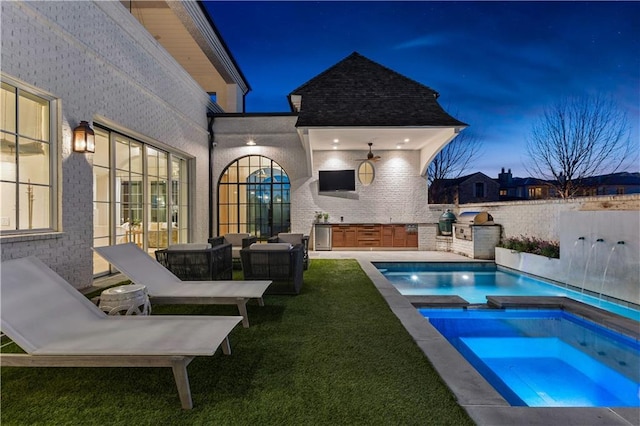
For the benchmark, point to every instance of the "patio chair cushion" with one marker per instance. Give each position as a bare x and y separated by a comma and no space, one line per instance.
236,239
284,237
271,246
190,246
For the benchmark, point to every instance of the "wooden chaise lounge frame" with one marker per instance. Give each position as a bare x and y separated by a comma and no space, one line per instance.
58,327
166,288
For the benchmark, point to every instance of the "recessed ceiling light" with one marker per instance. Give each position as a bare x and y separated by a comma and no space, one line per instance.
399,146
335,147
336,140
406,140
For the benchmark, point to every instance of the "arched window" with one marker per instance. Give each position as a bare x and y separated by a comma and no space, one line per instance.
254,196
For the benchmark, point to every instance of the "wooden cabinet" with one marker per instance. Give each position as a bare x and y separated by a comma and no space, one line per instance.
374,235
369,236
399,236
344,235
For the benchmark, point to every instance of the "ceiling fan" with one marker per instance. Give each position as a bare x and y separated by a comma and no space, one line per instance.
370,156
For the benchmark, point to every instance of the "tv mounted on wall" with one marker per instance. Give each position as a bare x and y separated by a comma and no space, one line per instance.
336,180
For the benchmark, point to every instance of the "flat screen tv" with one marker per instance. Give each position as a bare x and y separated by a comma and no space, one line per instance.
336,180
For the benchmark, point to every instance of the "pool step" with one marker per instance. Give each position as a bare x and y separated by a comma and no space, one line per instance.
437,301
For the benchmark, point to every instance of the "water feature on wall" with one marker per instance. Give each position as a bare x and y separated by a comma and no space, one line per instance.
600,252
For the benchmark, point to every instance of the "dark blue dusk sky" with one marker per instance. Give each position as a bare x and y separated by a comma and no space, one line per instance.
495,64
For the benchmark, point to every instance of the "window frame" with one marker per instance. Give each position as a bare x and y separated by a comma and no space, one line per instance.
54,138
362,174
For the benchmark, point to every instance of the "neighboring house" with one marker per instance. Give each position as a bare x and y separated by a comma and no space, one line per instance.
473,188
531,188
612,184
512,189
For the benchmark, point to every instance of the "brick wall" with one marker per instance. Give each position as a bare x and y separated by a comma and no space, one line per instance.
541,218
398,193
106,68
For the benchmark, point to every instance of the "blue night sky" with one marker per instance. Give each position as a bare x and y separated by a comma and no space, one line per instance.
496,65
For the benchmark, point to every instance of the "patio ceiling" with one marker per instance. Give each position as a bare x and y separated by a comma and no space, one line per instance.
424,141
181,28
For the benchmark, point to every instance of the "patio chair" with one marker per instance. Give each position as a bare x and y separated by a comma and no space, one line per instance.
165,288
238,241
278,262
56,326
285,237
197,262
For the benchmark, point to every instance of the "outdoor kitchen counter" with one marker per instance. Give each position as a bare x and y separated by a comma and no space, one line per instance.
370,235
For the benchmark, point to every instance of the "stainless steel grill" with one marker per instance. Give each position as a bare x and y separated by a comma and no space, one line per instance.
463,226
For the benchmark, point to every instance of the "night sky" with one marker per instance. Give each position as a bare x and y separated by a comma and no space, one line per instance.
496,65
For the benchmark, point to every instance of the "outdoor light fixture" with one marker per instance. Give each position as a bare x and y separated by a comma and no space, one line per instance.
251,142
84,139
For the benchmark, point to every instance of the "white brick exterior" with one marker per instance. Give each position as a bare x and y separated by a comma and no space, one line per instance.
105,68
398,193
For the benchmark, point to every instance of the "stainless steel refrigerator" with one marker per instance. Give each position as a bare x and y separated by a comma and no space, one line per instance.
322,237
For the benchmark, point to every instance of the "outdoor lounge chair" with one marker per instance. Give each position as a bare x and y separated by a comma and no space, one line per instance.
279,262
165,288
197,262
293,239
59,327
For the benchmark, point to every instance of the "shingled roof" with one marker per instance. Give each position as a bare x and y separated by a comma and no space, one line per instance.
359,92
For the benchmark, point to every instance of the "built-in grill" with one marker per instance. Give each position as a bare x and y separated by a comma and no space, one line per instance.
475,235
465,221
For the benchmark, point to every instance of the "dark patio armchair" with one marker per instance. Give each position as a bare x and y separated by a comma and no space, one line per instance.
238,241
278,262
293,239
197,262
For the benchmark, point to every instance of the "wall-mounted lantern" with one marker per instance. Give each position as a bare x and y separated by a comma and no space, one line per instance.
84,139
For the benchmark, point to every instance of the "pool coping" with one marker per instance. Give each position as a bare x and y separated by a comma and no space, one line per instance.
480,400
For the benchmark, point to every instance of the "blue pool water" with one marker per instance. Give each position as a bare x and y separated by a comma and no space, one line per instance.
545,358
474,281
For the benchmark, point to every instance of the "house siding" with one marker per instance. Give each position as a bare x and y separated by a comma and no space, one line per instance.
112,72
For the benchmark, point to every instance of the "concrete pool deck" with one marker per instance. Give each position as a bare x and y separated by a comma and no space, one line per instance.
483,403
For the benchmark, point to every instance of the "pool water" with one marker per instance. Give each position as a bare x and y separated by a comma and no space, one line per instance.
474,281
545,358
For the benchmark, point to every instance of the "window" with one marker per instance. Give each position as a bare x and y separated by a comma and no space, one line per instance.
140,195
479,190
620,190
254,197
27,174
535,192
366,173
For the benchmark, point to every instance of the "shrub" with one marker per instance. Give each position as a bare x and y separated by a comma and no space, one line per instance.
533,245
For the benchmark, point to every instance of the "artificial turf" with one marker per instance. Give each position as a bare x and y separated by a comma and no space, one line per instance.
333,355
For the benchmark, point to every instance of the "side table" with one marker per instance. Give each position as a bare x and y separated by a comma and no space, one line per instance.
129,299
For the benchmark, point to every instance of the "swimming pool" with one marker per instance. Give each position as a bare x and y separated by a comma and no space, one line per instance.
545,358
473,281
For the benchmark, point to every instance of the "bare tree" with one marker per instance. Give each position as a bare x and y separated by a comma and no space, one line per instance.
578,138
452,161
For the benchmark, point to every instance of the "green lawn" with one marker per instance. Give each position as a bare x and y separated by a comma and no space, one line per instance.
333,355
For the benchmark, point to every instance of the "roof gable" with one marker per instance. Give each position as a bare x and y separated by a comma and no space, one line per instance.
359,92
